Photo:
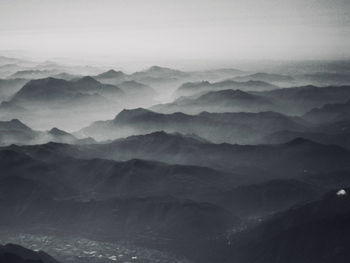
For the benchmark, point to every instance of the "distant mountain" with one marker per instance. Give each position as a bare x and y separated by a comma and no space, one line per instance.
133,88
329,113
299,100
11,60
9,87
216,74
163,80
157,75
44,90
60,92
258,162
66,76
34,74
15,132
276,79
218,101
136,92
110,74
159,72
11,253
330,125
8,69
314,232
112,77
325,78
216,127
198,88
91,86
61,136
341,139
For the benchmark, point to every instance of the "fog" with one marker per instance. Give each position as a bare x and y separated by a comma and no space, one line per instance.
139,33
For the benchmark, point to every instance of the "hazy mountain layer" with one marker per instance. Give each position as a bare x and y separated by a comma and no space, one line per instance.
217,127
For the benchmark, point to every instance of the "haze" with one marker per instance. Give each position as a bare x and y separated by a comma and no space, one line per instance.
157,31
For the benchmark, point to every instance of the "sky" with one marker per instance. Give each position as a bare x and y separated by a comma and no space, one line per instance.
160,30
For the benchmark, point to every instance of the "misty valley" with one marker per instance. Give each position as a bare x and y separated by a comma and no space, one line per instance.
166,165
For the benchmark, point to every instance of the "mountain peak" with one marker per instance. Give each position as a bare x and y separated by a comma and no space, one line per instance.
14,124
158,68
166,138
127,114
164,70
58,132
111,74
299,141
87,80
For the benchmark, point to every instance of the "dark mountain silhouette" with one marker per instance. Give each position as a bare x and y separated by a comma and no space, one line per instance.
156,222
259,162
44,90
90,178
216,127
266,197
62,136
142,213
11,253
58,192
314,232
31,196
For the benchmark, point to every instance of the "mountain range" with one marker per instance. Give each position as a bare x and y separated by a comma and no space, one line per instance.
102,165
16,132
218,101
216,127
198,88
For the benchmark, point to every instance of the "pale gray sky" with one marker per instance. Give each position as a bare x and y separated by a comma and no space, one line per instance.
178,29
